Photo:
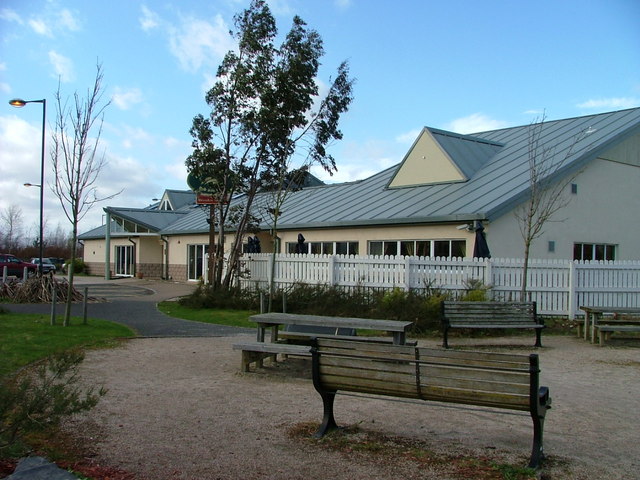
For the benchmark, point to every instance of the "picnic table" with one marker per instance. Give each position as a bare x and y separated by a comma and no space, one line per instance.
593,317
398,330
308,327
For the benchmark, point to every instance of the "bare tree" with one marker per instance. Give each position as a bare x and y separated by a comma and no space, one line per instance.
549,182
76,160
11,234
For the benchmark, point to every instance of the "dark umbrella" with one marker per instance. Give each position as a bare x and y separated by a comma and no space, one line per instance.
481,248
253,245
300,246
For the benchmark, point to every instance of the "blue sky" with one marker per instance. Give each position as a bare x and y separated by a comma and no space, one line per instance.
460,65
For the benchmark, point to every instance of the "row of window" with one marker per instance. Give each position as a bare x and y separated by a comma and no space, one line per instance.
421,248
594,251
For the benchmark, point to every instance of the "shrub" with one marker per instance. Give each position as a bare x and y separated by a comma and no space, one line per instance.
78,265
475,291
38,398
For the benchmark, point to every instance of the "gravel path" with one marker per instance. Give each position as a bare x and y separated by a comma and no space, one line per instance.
179,409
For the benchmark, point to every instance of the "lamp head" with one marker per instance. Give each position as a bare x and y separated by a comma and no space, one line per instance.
17,102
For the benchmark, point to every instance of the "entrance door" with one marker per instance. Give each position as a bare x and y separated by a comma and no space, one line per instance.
125,260
197,261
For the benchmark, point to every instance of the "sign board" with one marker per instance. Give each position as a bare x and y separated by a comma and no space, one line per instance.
209,199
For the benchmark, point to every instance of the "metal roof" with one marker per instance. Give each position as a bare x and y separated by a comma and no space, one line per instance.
495,163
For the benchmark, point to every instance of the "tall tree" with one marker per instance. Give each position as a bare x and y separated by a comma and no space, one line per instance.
262,117
547,191
77,163
11,231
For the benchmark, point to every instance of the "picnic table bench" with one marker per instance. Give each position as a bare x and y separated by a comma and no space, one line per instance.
490,315
622,319
305,327
502,381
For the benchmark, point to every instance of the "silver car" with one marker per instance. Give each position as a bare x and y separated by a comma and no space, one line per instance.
47,265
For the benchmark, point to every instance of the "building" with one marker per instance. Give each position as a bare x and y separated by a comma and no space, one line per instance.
427,205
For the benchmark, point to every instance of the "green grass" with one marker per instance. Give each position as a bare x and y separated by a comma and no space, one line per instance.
27,338
234,318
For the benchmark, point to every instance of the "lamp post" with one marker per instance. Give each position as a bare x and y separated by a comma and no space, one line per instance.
19,103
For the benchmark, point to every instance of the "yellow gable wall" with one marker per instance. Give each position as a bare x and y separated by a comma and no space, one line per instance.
426,163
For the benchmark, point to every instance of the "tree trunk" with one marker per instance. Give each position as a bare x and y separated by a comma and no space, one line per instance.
72,265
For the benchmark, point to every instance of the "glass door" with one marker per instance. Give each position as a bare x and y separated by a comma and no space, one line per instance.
125,260
197,261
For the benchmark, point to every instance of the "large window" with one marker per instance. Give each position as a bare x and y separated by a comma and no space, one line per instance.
594,251
327,248
420,248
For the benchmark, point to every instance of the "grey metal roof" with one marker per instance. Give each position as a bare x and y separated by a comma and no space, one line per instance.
180,199
495,162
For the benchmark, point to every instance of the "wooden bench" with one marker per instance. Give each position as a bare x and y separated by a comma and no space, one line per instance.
618,323
256,352
490,315
496,380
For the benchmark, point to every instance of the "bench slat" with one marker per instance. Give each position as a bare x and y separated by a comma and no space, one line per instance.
427,352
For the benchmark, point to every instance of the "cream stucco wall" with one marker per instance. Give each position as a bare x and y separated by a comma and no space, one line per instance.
605,210
426,163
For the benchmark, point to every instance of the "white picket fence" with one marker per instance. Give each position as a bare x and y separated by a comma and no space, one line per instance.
559,287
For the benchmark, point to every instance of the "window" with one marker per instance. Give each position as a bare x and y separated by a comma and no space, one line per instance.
421,248
594,251
327,248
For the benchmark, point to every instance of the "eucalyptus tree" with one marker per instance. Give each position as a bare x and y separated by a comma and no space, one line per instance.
266,115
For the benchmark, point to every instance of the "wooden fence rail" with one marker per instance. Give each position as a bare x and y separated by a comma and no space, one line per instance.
559,287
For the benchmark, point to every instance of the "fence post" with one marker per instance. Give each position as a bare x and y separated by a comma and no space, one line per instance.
84,305
571,303
331,270
488,274
54,298
407,274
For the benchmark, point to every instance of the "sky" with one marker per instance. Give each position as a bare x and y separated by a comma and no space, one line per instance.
460,65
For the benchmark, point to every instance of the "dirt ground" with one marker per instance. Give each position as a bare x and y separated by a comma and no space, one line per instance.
179,408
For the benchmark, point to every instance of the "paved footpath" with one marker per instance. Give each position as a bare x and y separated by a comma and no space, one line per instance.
132,302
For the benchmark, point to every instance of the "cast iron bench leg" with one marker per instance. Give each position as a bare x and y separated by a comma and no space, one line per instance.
538,337
328,421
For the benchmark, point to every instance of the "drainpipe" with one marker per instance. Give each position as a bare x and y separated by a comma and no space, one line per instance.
165,267
107,247
135,256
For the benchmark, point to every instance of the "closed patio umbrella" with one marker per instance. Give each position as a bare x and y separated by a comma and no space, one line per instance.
480,247
300,246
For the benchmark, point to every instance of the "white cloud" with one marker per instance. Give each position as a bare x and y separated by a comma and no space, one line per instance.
125,99
409,137
199,43
342,4
68,20
62,66
5,88
10,16
610,103
39,26
476,122
149,20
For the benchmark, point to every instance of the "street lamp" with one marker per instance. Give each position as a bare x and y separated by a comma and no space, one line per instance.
19,103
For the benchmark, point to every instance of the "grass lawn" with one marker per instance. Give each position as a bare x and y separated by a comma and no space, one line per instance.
26,338
234,318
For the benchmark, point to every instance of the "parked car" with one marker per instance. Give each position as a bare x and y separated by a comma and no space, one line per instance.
47,265
15,266
58,262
